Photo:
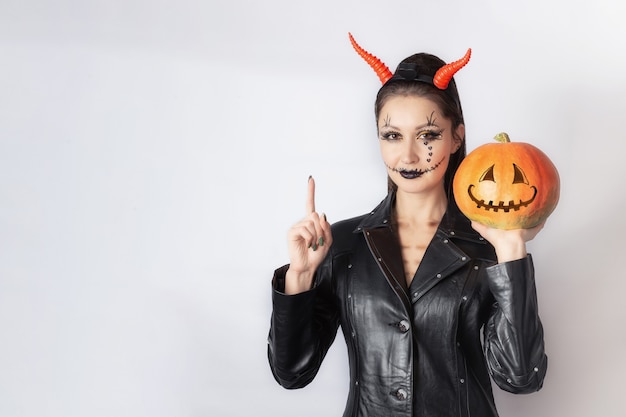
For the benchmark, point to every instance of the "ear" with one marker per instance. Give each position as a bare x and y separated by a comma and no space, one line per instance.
458,137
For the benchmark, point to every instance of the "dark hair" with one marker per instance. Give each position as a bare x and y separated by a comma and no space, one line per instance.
447,100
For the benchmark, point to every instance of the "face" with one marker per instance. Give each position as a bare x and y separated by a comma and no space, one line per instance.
416,142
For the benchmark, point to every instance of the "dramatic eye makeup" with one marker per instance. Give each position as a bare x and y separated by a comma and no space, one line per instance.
386,132
430,131
429,134
390,135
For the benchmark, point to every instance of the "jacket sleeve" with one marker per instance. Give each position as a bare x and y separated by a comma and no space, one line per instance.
302,328
514,344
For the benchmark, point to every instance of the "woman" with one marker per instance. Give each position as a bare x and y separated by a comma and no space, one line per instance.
412,283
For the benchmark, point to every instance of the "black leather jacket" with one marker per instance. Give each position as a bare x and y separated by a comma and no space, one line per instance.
413,351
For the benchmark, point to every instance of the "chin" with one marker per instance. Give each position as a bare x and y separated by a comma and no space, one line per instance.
424,184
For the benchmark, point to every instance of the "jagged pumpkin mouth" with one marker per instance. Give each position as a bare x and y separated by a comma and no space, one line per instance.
501,205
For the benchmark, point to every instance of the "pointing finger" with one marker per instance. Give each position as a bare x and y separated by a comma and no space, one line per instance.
310,199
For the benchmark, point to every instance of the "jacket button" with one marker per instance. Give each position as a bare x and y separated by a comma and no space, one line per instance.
404,326
401,394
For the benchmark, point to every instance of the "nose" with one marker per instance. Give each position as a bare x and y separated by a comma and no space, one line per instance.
409,152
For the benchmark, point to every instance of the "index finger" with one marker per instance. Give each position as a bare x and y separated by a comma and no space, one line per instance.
310,198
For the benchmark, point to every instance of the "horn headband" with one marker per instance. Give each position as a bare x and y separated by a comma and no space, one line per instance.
408,71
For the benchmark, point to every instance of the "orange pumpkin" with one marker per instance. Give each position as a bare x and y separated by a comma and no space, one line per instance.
507,185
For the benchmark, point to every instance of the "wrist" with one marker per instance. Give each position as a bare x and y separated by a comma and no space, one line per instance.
511,251
298,281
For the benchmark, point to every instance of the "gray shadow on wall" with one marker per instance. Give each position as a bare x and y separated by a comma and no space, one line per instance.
579,259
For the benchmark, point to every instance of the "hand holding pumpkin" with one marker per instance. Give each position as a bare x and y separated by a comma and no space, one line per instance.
507,185
509,244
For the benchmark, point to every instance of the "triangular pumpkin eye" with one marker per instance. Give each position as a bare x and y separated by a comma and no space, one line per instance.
519,177
488,175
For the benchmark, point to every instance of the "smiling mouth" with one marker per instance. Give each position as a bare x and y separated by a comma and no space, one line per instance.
501,206
411,174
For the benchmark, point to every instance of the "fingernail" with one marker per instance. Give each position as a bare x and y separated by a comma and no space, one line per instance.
321,241
314,247
310,176
324,217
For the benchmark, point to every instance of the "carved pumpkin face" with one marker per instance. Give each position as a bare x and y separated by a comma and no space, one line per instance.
507,185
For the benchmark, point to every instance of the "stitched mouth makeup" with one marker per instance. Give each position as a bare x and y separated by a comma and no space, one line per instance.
411,174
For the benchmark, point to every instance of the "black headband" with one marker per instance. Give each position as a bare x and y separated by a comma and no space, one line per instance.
407,71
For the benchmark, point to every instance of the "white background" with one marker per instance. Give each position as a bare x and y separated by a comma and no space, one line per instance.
154,153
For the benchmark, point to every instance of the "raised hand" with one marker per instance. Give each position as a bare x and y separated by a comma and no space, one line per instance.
309,241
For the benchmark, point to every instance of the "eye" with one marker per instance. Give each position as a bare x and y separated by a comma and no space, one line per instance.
429,135
390,136
488,175
519,177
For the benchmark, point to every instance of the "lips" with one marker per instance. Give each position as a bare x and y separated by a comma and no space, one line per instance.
409,175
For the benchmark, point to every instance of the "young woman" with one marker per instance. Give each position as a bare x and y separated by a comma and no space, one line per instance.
431,306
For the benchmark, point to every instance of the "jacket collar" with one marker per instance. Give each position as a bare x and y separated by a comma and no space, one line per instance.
453,223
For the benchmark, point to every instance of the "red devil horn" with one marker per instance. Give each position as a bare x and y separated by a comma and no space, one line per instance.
444,74
377,65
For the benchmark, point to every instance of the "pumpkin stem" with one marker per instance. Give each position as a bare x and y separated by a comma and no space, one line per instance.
502,137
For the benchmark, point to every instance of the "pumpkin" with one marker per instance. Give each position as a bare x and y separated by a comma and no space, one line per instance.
507,185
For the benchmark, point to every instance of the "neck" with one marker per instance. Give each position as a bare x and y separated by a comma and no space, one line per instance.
421,208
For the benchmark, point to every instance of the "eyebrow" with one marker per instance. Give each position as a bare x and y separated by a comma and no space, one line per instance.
388,125
431,121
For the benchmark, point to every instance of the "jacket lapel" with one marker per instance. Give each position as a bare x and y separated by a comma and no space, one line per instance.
384,245
441,259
